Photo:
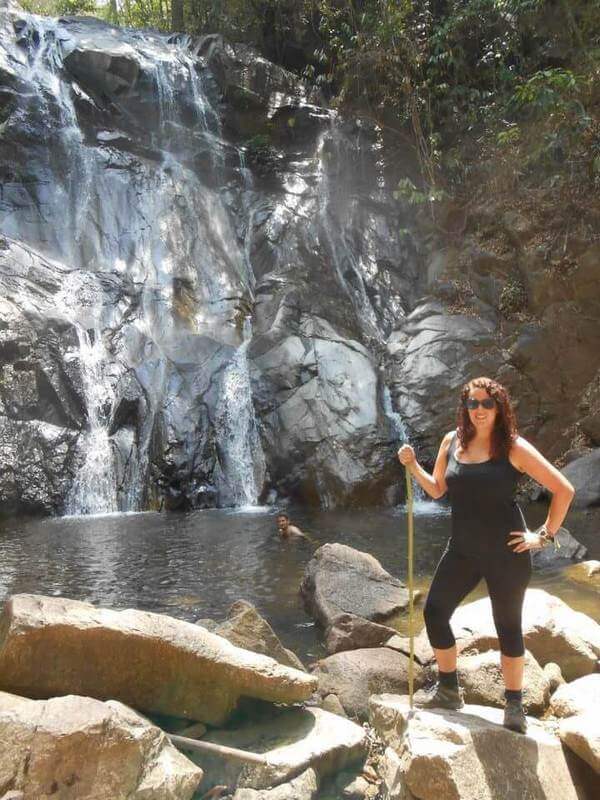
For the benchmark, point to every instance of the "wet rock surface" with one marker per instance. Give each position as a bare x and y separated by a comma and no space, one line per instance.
171,187
153,662
80,747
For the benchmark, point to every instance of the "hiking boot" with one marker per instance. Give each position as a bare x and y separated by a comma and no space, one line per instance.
439,696
514,717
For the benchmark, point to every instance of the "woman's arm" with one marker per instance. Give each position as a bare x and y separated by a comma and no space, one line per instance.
435,484
525,457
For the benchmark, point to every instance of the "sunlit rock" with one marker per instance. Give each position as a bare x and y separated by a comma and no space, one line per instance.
150,661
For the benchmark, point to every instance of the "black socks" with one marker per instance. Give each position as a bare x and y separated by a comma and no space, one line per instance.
513,696
449,679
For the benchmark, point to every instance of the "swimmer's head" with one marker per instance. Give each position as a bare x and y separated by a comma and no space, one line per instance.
283,522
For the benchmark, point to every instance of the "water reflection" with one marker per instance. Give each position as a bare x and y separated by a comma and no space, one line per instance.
195,565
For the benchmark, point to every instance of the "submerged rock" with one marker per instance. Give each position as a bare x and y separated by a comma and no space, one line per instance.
82,748
341,580
153,662
467,755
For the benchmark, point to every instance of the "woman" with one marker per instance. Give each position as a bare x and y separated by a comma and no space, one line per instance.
480,465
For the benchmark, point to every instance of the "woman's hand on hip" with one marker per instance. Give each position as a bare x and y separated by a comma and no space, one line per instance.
521,541
406,455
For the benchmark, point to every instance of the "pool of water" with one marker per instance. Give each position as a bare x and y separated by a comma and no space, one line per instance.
196,565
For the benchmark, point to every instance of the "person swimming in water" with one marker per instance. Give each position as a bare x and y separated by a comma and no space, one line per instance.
287,530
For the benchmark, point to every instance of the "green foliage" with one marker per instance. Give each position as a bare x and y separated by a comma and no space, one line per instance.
406,190
58,8
465,79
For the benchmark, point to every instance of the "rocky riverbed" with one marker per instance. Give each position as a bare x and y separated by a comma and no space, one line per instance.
247,725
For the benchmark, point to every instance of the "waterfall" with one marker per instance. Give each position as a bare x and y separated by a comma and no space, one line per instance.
422,502
335,230
94,488
242,456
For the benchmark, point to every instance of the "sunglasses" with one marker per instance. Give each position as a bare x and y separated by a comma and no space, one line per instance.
472,404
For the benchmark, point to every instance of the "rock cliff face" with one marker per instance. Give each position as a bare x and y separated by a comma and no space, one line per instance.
209,295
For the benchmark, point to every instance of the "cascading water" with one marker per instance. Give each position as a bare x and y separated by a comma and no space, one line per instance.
94,489
242,456
133,172
335,230
148,216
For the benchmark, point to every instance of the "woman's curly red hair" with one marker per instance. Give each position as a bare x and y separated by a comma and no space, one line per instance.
505,427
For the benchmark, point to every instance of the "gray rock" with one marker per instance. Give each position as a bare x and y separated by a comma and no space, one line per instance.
331,703
303,787
350,632
481,678
341,580
578,697
292,741
467,754
584,474
105,749
569,550
353,676
245,628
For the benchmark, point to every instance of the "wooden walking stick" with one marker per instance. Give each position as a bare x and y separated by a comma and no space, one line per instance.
411,632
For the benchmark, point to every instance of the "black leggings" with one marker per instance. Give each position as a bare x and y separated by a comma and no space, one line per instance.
506,575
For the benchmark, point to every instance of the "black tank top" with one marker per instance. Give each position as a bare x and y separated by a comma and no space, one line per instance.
482,497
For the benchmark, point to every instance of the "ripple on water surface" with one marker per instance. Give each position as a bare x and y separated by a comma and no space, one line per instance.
196,565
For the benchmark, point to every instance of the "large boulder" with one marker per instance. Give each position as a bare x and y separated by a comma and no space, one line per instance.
341,580
578,697
584,474
553,632
78,747
51,646
581,734
244,627
468,755
355,675
291,742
